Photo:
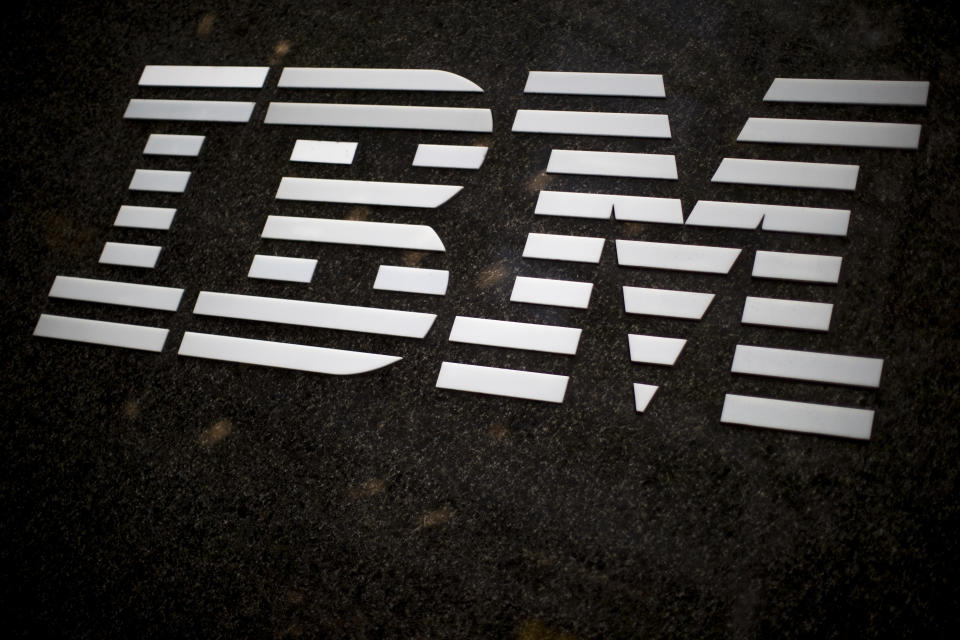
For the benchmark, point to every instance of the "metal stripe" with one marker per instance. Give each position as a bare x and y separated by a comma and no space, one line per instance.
887,135
592,123
190,110
803,417
159,218
515,335
160,75
511,383
380,116
449,156
356,232
827,368
324,151
164,144
126,294
655,349
688,305
323,315
157,180
111,334
283,355
880,92
677,257
547,246
811,175
130,255
557,293
375,79
637,85
282,268
411,280
790,314
396,194
609,163
797,266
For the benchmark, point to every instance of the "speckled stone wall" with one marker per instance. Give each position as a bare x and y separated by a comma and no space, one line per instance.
153,495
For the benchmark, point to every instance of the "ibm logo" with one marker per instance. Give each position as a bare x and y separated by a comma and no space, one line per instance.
664,350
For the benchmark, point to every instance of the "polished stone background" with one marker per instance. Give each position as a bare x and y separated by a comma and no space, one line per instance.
158,496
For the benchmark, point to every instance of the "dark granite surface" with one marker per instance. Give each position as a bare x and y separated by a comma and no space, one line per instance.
146,495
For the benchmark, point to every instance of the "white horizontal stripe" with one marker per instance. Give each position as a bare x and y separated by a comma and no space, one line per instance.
411,280
396,194
380,116
677,257
558,293
511,383
159,75
609,163
156,180
515,335
549,246
638,85
797,266
375,79
191,110
574,205
655,349
890,92
831,132
126,294
323,315
825,222
645,209
144,217
791,314
593,123
130,255
747,215
282,268
449,156
807,365
163,144
642,395
688,305
734,215
357,232
599,205
804,417
112,334
325,151
282,354
812,175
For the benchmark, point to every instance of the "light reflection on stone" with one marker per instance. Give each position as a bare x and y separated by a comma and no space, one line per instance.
498,432
359,213
540,181
216,432
632,229
436,518
205,26
368,488
539,630
413,258
131,409
492,275
280,51
63,234
293,631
